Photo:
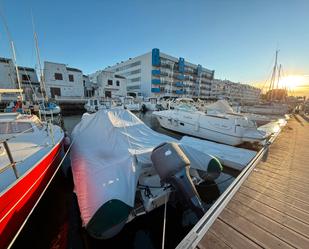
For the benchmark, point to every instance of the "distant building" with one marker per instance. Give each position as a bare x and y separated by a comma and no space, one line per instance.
242,93
89,86
27,76
109,84
63,81
159,74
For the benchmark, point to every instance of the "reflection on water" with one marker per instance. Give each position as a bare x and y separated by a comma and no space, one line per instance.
56,222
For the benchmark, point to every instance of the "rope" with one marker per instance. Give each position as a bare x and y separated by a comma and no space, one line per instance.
164,222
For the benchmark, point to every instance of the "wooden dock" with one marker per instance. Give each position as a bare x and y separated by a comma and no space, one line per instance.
271,208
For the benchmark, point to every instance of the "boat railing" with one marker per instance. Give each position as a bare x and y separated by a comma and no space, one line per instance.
12,163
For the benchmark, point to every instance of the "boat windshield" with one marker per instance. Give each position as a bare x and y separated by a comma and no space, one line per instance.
15,127
185,107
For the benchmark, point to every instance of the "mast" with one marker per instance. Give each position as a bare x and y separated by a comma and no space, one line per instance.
273,76
42,83
13,53
278,79
16,68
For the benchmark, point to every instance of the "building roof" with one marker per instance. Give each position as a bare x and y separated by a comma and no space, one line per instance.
4,60
119,76
74,69
28,69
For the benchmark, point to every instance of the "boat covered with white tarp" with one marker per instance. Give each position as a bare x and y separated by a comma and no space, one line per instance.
111,158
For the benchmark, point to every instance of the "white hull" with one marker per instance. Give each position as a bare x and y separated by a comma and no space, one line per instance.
218,129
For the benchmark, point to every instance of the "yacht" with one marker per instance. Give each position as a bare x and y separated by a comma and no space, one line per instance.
226,128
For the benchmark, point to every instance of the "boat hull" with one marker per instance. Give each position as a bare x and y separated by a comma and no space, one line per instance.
18,200
207,128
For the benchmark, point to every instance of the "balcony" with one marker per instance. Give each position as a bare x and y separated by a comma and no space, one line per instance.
155,90
180,77
156,72
179,91
179,84
156,81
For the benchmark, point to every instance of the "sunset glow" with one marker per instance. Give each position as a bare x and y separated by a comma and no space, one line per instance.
292,81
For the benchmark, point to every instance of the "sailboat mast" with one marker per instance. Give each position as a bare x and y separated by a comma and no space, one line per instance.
42,83
273,77
16,68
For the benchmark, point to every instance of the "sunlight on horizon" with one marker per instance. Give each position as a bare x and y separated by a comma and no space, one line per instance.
293,81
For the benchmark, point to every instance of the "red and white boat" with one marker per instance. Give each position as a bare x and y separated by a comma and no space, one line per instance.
34,148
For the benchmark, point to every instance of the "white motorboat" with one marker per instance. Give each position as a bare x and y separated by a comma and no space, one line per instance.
220,127
29,157
222,106
49,109
150,104
93,104
119,163
131,105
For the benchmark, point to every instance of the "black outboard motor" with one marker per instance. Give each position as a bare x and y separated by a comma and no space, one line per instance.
173,167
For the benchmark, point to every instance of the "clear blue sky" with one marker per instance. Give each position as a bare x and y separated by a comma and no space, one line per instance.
236,38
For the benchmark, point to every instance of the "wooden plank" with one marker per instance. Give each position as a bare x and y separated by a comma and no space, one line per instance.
283,174
278,205
231,236
211,240
288,189
269,225
279,195
250,230
274,214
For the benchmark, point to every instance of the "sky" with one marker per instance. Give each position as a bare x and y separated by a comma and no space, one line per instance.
236,38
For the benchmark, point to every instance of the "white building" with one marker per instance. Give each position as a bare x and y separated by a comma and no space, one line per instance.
109,84
27,76
242,93
159,74
63,81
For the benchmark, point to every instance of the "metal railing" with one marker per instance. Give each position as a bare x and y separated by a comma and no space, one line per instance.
12,163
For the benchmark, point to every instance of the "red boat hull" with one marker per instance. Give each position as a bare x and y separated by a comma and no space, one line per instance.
17,202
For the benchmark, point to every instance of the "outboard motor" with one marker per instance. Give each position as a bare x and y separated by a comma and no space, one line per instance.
173,167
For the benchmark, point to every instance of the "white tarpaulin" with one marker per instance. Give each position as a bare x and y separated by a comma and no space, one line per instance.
110,148
220,106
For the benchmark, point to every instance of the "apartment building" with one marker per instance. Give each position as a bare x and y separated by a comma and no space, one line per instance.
241,93
159,74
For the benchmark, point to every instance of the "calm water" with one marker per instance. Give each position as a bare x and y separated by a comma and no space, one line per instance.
56,222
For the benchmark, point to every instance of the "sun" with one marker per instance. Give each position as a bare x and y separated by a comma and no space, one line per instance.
292,81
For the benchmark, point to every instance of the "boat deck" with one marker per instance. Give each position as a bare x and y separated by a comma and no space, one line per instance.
271,208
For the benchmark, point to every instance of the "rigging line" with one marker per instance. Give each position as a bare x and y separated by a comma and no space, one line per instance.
164,221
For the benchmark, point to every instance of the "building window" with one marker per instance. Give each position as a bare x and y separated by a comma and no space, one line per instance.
25,77
58,76
136,79
117,83
71,77
109,82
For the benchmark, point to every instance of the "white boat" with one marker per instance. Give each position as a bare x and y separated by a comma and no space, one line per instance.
222,106
150,104
216,126
94,104
131,105
118,165
29,157
49,109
